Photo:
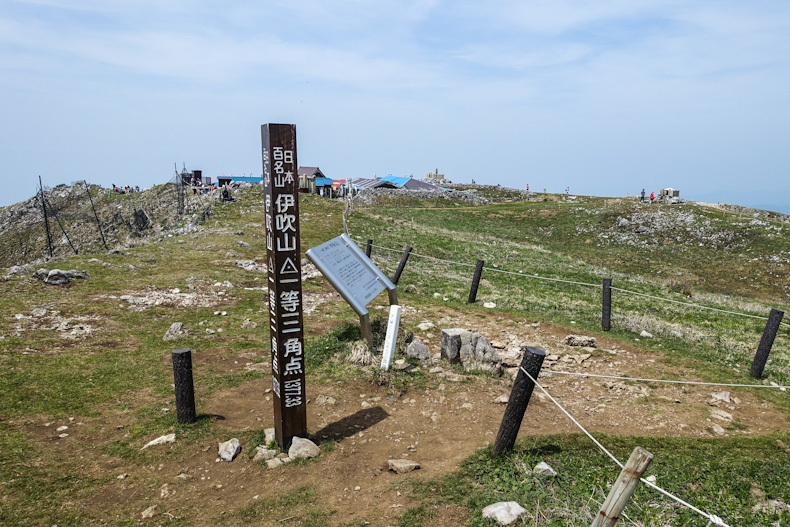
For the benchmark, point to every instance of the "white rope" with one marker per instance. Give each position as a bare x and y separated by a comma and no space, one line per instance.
693,305
494,270
536,277
713,519
571,418
423,256
579,374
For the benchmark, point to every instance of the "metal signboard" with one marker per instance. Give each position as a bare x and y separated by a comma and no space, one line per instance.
281,202
354,275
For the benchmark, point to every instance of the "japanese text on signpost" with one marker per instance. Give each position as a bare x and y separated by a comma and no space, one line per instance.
281,200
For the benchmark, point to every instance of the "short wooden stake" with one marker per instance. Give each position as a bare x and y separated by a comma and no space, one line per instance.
369,248
766,343
623,488
184,388
519,399
401,265
606,310
476,281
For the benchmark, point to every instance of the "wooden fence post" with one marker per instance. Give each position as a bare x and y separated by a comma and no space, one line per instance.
184,387
401,265
766,343
623,488
369,248
476,281
606,310
519,399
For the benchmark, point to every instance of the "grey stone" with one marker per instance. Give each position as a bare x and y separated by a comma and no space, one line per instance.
149,512
468,343
175,331
168,438
251,265
451,344
641,229
16,270
425,326
272,463
268,435
59,277
303,448
229,449
645,335
721,415
504,512
242,244
248,324
400,466
721,396
580,340
544,469
418,350
623,222
502,399
476,352
263,454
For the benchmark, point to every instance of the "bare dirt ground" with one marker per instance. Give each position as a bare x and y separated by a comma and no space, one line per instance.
438,427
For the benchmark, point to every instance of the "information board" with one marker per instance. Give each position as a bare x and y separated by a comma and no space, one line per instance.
355,277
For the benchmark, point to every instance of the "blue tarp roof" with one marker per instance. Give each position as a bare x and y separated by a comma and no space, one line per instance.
409,183
395,180
242,178
323,181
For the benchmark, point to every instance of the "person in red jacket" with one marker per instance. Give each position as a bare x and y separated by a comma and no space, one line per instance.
652,197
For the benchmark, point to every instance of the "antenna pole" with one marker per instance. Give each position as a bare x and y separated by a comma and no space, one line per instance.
98,223
46,221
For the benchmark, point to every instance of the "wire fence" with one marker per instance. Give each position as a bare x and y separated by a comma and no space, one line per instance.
572,282
711,518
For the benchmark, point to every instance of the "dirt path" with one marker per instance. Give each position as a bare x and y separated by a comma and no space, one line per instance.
437,426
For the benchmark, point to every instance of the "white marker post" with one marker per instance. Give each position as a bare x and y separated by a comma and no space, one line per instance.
392,336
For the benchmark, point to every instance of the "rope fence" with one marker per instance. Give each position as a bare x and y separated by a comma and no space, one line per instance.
696,383
774,320
712,518
587,284
533,359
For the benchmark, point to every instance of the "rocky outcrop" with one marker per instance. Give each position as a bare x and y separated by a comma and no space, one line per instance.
470,349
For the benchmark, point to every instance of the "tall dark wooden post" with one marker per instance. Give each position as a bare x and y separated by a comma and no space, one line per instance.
369,248
519,399
476,281
606,308
402,265
766,343
281,202
184,387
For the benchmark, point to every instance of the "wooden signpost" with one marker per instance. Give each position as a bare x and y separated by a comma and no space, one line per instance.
281,201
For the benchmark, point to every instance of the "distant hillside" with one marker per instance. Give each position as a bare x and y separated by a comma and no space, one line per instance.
73,224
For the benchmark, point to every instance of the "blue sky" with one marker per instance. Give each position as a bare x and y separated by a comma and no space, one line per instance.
604,97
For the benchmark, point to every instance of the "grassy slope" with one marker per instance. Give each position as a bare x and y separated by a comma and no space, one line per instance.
567,243
43,375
